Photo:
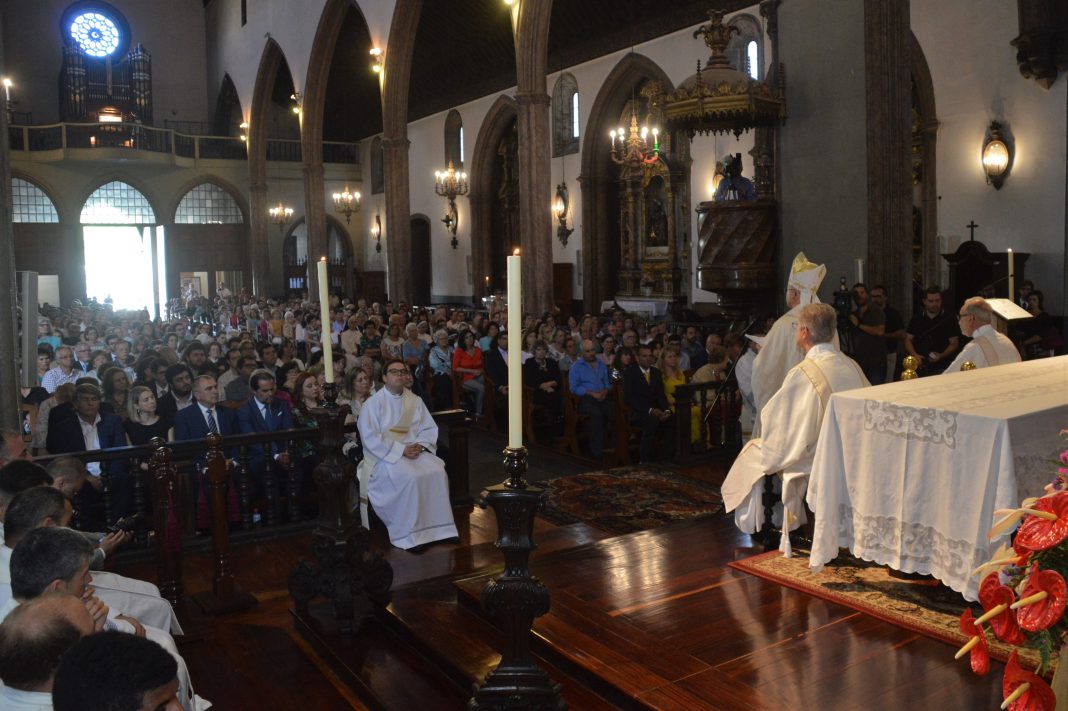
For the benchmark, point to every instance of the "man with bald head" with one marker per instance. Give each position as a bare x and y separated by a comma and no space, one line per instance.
33,638
588,380
988,347
12,447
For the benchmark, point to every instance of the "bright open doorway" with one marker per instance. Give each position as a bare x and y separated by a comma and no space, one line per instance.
119,265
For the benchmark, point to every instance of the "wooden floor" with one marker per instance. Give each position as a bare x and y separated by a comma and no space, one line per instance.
649,620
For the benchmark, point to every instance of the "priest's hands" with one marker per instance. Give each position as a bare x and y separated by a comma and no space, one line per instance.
413,450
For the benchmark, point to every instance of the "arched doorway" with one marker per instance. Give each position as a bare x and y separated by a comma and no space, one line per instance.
600,198
338,256
207,238
124,249
421,265
494,180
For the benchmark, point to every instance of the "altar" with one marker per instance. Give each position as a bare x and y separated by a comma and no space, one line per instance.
655,309
909,474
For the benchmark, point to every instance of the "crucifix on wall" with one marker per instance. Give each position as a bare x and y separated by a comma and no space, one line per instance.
971,229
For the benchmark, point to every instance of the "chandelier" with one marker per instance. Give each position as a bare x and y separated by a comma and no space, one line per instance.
449,184
281,215
346,203
635,148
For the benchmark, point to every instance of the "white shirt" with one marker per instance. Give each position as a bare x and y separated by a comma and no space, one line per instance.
56,377
16,700
92,441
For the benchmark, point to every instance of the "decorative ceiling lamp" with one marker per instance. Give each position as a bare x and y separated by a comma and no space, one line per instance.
719,98
449,184
281,215
346,203
635,147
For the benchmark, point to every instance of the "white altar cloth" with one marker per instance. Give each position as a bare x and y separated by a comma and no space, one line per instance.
909,474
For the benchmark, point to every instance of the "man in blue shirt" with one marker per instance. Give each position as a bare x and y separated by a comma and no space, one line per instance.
588,379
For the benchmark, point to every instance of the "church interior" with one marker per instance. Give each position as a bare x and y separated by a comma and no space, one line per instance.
663,159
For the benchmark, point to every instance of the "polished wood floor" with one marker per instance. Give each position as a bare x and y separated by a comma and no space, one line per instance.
649,620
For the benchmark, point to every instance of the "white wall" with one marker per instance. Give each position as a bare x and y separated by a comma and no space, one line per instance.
976,80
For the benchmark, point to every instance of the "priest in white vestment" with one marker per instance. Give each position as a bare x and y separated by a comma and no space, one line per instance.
779,351
988,347
400,474
792,420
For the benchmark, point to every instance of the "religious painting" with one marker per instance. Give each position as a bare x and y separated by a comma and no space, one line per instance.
656,222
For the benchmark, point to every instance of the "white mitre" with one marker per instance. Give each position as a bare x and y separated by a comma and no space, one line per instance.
806,277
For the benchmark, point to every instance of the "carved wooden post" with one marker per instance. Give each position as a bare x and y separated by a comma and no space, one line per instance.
292,484
168,522
355,580
224,596
458,465
516,598
769,499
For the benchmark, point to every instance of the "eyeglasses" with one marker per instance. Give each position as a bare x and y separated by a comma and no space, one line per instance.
396,372
960,316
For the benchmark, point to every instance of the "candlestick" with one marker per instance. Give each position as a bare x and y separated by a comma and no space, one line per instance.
324,309
515,348
1012,276
858,265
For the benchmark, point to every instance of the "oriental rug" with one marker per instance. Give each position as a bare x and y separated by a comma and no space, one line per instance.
919,606
629,499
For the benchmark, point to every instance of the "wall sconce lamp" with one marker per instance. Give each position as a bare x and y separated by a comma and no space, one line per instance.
244,131
449,184
561,203
376,60
376,233
346,203
997,156
295,96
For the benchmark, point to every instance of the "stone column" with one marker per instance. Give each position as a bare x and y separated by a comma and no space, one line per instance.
889,138
9,376
535,218
314,222
398,219
258,240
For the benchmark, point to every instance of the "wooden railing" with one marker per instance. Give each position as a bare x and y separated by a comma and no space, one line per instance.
710,423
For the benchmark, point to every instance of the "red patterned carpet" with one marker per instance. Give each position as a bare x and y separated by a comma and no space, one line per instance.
629,499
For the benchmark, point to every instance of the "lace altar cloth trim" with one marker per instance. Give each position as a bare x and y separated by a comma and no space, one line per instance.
911,548
911,423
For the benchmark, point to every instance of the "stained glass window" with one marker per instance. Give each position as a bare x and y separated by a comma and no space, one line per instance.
208,204
117,203
95,33
30,204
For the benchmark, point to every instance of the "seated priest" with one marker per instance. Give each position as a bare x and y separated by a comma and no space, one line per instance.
988,347
792,420
400,475
780,352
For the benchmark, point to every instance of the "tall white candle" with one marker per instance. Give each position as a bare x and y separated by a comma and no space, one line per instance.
858,267
515,348
1012,276
324,310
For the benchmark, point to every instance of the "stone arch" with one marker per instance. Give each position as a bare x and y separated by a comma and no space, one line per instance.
239,198
499,117
225,105
99,182
270,61
926,130
601,249
61,207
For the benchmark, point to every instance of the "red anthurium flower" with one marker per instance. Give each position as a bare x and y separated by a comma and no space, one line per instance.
980,656
1039,615
1037,533
1039,697
991,594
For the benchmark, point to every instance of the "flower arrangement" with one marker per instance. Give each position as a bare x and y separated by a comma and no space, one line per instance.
1023,597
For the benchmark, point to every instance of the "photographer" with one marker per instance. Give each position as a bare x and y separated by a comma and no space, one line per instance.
734,186
867,326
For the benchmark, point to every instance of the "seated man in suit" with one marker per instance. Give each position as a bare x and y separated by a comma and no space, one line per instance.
90,430
196,422
264,413
497,364
643,393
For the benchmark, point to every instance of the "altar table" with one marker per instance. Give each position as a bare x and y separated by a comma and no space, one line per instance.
909,474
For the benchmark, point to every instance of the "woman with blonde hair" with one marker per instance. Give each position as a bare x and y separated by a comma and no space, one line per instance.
668,365
143,423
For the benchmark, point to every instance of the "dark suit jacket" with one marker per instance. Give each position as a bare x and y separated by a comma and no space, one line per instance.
496,367
250,421
641,396
67,437
166,406
190,423
698,359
